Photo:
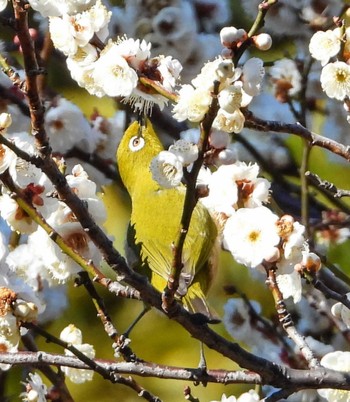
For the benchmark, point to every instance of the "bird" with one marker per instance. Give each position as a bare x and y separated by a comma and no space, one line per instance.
156,221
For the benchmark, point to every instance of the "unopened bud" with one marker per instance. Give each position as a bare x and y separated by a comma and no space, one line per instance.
227,157
311,262
219,139
229,36
25,311
5,121
262,41
285,226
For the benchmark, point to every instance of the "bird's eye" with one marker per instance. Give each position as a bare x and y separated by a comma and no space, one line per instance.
136,143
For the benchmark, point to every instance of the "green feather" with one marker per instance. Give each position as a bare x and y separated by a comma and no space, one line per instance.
155,223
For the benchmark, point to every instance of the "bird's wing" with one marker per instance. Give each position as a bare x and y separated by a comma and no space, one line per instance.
157,225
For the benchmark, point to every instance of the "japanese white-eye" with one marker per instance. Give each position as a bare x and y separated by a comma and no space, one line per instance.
155,223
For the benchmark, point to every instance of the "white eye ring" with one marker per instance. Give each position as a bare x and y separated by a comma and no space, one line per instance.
136,143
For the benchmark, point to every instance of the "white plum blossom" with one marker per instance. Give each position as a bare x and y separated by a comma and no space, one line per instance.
191,135
70,32
226,157
112,72
250,235
167,169
339,361
36,390
229,122
72,335
15,216
335,80
253,75
3,4
286,78
49,8
310,261
236,183
342,312
136,52
325,44
192,104
9,328
62,35
169,69
67,127
216,70
225,70
225,398
250,396
289,280
7,159
230,98
239,324
140,100
186,152
294,239
5,121
237,320
293,246
176,26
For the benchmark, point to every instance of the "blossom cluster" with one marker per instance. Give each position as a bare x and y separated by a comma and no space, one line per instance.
250,231
73,336
104,67
187,30
38,276
236,87
335,75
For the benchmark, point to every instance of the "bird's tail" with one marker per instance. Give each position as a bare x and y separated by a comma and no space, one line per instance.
195,302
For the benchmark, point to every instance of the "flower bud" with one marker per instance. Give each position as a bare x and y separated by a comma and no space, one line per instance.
71,334
229,36
262,41
311,262
219,139
226,157
5,121
25,311
226,53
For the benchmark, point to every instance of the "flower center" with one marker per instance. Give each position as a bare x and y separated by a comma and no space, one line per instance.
169,170
341,76
254,236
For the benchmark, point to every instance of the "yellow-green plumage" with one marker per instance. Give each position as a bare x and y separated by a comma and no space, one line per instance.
155,223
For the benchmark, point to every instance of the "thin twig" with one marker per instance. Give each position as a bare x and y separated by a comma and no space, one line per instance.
326,185
118,341
314,139
287,322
